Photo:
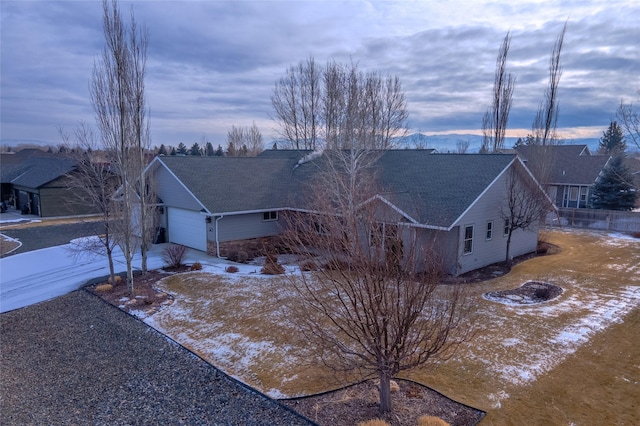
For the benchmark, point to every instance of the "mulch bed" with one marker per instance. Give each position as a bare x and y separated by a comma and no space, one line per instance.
530,293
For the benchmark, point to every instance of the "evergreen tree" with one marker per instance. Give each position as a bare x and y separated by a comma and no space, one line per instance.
209,152
182,149
173,151
231,150
612,141
614,190
162,150
195,150
219,152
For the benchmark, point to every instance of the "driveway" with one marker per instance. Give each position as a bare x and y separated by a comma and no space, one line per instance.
39,237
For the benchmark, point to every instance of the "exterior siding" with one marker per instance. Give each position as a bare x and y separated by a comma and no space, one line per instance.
485,252
172,193
242,227
446,242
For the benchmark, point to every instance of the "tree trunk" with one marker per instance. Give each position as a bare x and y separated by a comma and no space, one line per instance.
385,392
508,257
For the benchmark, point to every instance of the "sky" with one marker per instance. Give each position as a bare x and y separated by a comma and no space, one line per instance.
213,64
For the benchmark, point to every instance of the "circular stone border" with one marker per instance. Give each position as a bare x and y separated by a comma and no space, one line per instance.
529,293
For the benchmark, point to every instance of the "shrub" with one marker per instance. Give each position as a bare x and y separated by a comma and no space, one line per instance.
374,422
231,269
635,234
117,279
542,293
104,287
431,421
197,266
271,265
239,256
173,255
394,386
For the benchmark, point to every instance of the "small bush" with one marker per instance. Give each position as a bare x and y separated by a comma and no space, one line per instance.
117,279
271,265
239,256
337,265
394,386
431,421
104,287
542,293
173,255
635,234
231,269
197,266
374,422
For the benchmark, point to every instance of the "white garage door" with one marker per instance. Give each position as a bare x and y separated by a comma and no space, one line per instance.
187,228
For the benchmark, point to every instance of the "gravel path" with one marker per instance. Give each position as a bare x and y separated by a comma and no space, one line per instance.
39,237
77,360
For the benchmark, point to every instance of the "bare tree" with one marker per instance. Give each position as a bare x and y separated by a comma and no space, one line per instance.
462,146
344,105
373,306
117,96
526,206
244,141
546,120
296,101
495,120
629,118
94,183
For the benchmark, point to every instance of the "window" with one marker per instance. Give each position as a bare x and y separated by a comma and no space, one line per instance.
506,227
468,239
267,216
489,230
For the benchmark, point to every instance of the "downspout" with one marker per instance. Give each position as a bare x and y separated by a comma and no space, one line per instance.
217,238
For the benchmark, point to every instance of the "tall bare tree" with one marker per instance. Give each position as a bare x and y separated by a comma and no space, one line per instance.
629,119
339,104
495,120
244,141
374,306
117,96
546,120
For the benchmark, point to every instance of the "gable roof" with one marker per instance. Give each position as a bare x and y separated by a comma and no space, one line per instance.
36,171
430,189
570,164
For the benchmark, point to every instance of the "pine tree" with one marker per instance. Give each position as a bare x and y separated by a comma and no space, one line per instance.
162,150
612,141
195,150
209,152
219,151
173,151
182,149
614,190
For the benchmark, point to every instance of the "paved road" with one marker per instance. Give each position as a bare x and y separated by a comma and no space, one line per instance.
39,237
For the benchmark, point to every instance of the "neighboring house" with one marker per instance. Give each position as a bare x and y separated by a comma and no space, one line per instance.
36,182
570,171
456,197
633,164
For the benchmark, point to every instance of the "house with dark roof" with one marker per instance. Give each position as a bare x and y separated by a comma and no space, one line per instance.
569,171
37,182
207,201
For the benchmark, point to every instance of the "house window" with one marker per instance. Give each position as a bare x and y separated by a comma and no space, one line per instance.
268,216
468,239
573,193
506,227
583,196
489,230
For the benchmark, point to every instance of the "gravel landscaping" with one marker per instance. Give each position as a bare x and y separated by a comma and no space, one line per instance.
78,360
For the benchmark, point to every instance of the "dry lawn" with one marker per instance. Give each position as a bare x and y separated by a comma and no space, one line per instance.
573,360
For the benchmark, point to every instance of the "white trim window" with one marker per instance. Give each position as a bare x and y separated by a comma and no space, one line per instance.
269,216
506,227
468,239
489,234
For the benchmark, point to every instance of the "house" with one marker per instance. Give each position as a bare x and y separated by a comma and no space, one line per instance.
569,171
37,182
207,201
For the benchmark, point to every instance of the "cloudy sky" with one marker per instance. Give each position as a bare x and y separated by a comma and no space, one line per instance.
213,64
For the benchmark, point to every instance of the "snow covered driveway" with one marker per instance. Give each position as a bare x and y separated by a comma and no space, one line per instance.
41,275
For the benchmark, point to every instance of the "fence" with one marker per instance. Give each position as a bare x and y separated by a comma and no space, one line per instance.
610,220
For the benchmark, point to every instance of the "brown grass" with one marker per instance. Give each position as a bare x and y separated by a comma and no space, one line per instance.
431,421
594,383
374,422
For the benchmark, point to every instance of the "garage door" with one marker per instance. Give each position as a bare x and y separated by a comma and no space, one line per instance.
187,228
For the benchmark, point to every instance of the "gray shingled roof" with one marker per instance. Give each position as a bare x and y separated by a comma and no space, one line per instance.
434,189
568,167
35,172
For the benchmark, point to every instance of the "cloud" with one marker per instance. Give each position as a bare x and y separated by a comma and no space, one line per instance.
214,64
